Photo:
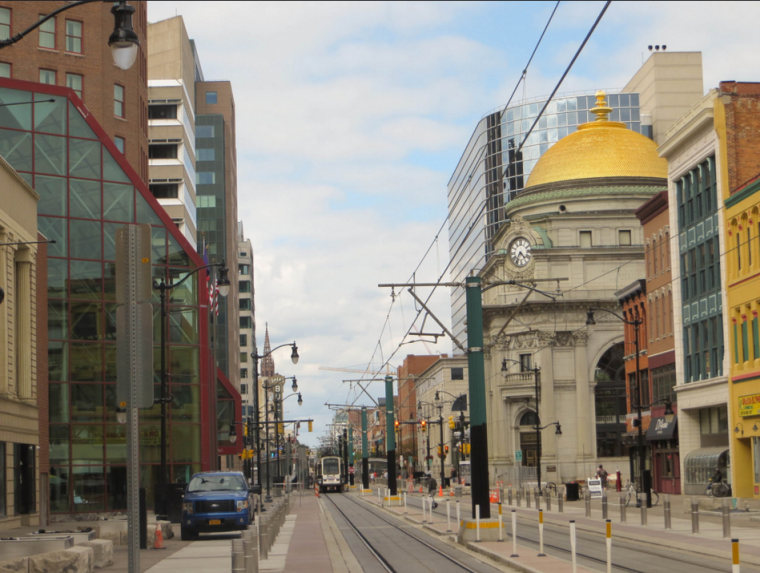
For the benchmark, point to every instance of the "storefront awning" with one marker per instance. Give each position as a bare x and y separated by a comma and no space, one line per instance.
661,429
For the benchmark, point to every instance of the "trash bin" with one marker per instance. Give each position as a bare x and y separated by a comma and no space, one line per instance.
457,491
572,491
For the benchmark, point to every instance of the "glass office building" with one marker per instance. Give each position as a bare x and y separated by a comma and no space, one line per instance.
492,171
87,191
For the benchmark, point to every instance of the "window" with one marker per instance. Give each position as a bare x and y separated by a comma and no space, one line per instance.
624,238
5,29
5,70
244,372
76,83
244,269
210,97
526,362
243,357
73,36
243,340
165,190
242,254
47,77
246,322
120,143
585,238
664,382
245,304
244,388
162,112
206,154
245,286
163,151
204,131
47,33
118,100
457,373
206,178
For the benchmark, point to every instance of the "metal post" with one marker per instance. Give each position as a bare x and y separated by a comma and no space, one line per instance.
666,511
643,504
268,498
459,514
351,460
518,497
164,477
509,496
390,434
238,556
448,515
443,459
644,487
560,502
621,502
477,524
587,500
572,545
404,503
478,405
514,533
726,515
536,378
536,498
604,504
548,498
694,515
365,452
527,499
257,414
609,546
735,565
541,533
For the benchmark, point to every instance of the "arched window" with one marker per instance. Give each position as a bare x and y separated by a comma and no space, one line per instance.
529,418
610,402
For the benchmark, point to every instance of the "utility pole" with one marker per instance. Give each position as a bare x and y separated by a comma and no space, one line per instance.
390,435
365,450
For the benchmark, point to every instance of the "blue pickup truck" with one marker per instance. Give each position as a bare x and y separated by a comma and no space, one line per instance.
216,501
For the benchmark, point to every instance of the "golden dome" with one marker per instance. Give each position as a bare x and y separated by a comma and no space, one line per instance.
600,148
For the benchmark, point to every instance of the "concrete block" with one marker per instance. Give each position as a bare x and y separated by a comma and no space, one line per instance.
102,552
123,538
15,565
77,559
489,530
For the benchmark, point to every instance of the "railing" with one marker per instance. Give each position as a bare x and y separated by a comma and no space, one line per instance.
519,378
610,419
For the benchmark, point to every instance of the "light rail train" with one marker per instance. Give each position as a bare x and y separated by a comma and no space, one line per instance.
330,474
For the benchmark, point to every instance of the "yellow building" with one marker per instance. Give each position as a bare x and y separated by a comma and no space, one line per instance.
736,121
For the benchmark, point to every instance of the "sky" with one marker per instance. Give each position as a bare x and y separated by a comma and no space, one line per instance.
351,118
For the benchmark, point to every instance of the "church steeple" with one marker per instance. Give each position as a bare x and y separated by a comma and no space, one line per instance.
267,363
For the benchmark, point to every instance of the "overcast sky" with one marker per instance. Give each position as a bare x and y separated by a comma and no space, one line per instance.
351,118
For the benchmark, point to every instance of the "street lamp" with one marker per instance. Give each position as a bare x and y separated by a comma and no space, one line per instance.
636,323
294,358
123,40
537,427
165,399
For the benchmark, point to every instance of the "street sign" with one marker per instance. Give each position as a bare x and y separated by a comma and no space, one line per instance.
594,487
352,470
518,455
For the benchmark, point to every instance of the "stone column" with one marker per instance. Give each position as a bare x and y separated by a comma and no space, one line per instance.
582,403
5,308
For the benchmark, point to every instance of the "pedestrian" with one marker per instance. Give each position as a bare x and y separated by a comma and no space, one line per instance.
432,488
601,473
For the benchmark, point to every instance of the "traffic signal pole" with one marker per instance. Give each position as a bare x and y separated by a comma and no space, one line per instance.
477,386
390,435
365,450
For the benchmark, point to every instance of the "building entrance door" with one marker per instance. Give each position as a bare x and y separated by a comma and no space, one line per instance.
529,449
24,478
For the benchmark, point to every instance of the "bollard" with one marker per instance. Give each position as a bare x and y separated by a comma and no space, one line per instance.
541,533
527,499
501,493
477,524
725,513
424,501
548,498
735,556
517,493
459,517
509,496
621,501
560,501
238,556
572,546
249,540
254,545
379,496
430,510
514,533
694,515
264,537
643,504
537,497
587,500
501,525
604,504
448,516
609,546
404,503
666,511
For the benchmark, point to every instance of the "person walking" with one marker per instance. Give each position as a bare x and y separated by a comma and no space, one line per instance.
432,489
602,474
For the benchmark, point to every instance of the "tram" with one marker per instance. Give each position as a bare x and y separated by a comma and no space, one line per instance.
330,474
377,466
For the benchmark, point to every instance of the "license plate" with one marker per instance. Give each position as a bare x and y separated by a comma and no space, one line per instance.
214,521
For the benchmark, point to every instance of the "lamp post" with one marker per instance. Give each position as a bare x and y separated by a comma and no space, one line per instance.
256,357
123,40
277,390
163,286
277,427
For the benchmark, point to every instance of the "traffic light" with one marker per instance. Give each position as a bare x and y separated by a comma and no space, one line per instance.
396,424
446,449
452,423
439,451
424,425
311,426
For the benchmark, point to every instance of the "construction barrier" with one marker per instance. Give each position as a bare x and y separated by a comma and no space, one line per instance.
493,496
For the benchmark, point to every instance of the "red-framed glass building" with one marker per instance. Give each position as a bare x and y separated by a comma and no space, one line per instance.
87,191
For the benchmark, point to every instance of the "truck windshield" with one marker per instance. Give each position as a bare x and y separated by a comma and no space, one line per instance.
216,483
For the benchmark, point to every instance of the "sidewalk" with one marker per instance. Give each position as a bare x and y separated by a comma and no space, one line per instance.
709,541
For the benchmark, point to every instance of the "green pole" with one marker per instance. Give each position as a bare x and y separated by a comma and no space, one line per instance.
351,453
390,435
365,450
477,384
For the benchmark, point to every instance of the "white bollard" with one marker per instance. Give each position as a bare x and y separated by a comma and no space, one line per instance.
501,530
430,511
379,496
477,524
572,545
735,565
609,546
404,503
514,534
459,516
424,501
541,533
448,516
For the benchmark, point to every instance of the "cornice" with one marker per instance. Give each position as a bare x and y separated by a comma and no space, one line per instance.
652,208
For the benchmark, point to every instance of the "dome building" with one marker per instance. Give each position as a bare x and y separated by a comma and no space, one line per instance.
572,236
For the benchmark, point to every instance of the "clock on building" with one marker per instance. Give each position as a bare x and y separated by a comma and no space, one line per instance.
519,251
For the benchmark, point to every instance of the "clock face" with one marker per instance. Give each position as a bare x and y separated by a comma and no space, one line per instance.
519,252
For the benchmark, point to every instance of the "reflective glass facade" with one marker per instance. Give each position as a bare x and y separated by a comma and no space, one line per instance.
86,194
491,172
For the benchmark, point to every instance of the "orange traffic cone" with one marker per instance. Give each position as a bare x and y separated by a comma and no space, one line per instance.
420,489
159,538
440,491
451,492
316,490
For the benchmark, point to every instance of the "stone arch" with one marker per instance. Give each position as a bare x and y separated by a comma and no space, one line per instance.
610,401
